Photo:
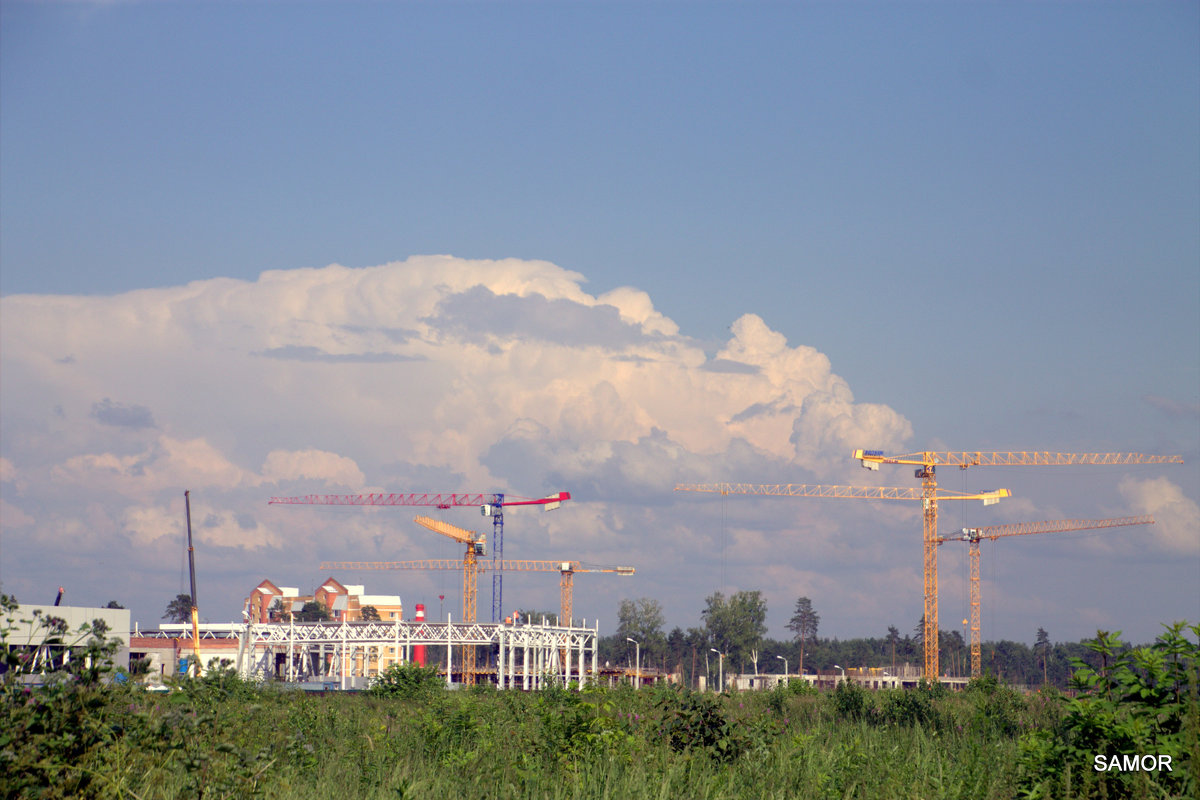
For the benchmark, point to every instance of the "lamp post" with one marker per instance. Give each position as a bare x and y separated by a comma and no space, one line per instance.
637,651
835,666
720,669
785,669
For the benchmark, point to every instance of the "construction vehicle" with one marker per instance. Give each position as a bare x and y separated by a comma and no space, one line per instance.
187,502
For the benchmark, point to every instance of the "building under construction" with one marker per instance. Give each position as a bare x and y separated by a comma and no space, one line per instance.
347,655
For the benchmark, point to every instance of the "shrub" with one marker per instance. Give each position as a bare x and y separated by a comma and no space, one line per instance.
851,701
406,681
1141,702
907,707
49,730
696,721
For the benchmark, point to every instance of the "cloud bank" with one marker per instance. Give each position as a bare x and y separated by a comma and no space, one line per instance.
431,374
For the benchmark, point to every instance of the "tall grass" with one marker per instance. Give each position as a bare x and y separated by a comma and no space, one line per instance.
227,739
221,737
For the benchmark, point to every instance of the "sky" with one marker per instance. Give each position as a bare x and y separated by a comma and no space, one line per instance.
260,249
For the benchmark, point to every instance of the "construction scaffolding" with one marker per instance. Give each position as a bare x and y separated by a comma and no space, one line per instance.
346,655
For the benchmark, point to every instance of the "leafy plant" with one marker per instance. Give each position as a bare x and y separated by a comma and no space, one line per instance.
1142,701
696,721
851,701
50,729
406,681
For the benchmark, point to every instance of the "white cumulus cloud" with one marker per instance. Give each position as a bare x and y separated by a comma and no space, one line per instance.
438,374
1176,517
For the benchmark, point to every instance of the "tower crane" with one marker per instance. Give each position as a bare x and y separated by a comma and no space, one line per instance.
930,495
470,571
927,463
491,504
566,569
993,532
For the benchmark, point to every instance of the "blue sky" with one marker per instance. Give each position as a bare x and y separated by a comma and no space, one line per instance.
986,217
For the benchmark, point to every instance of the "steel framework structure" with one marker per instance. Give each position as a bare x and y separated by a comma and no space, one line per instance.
529,655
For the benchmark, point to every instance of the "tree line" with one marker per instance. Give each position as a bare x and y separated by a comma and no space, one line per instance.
733,630
735,627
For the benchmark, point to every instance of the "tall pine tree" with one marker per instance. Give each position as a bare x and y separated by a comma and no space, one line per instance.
804,624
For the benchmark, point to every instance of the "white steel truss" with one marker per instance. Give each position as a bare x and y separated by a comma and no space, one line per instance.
349,653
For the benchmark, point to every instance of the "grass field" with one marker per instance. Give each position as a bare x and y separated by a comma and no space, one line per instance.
222,737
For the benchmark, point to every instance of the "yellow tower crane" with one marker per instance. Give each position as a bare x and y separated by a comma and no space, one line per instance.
930,495
993,532
927,463
470,578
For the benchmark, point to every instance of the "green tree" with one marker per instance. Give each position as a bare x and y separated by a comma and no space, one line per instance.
369,613
893,638
531,616
278,613
115,604
736,625
313,611
804,624
642,621
179,609
1043,644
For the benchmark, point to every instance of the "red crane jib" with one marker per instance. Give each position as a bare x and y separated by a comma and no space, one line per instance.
438,500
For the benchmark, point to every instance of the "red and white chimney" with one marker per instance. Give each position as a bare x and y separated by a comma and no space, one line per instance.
419,650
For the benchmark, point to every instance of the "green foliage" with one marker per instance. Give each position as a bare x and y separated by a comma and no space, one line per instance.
1140,702
407,682
222,737
642,621
993,709
179,609
736,625
908,707
313,611
695,721
851,701
49,729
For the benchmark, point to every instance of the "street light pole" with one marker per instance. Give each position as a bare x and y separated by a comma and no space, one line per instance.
720,669
637,651
835,666
786,679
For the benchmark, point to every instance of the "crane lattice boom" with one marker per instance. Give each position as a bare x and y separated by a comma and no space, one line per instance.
446,529
508,565
1012,458
433,499
992,532
845,492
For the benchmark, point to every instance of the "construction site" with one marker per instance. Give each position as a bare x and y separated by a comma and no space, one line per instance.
340,637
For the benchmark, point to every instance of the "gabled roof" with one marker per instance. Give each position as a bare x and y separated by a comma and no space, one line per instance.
333,586
266,587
